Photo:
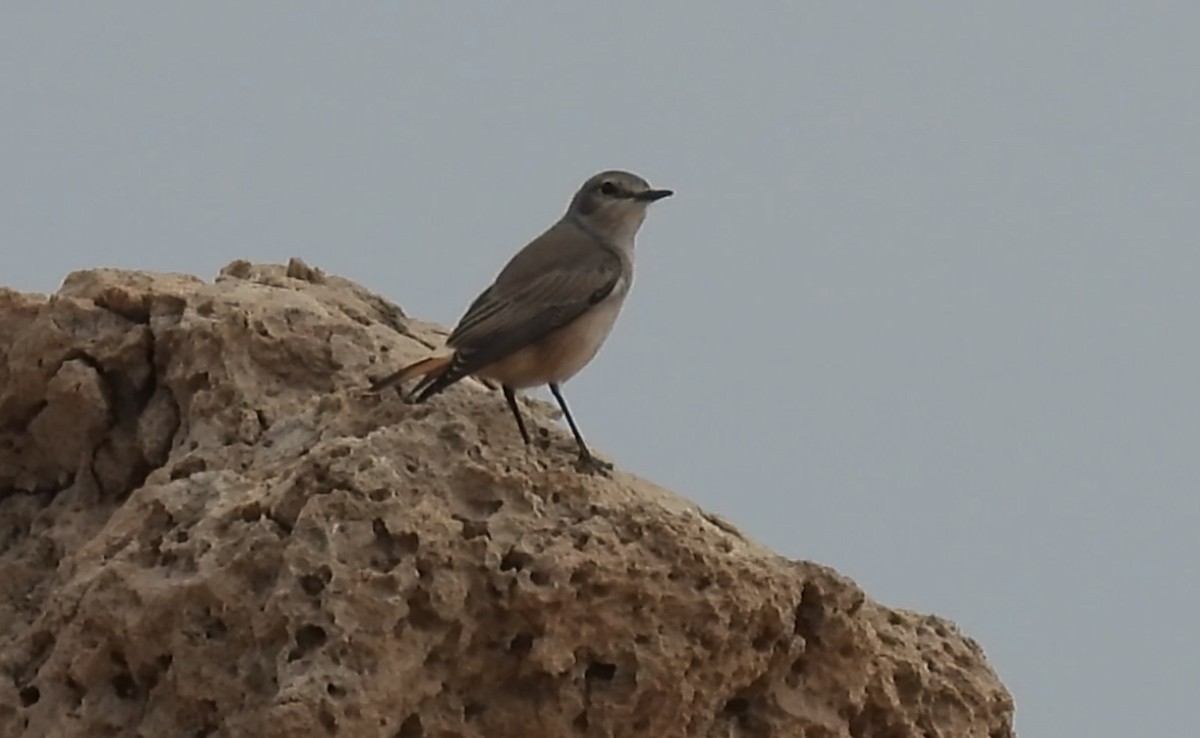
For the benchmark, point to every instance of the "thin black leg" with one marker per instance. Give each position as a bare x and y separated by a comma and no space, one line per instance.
585,456
511,397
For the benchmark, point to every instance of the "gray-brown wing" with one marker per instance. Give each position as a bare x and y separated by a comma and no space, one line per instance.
551,283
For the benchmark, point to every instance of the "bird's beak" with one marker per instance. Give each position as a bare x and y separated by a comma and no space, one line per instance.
652,195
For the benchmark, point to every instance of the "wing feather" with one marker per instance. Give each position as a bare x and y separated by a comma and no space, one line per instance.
555,279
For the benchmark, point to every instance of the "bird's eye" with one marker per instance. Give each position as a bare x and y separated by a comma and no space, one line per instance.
608,188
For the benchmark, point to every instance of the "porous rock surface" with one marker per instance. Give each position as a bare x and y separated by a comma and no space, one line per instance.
208,528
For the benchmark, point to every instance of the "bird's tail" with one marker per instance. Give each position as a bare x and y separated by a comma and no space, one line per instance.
430,368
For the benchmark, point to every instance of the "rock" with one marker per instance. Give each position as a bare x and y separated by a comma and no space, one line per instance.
208,528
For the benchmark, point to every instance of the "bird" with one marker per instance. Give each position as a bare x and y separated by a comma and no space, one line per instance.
550,308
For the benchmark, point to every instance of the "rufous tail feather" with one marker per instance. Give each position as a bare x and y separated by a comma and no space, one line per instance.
424,367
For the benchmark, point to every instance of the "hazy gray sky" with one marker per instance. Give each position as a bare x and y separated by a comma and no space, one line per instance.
924,307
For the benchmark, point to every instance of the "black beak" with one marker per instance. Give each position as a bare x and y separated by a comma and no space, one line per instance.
652,195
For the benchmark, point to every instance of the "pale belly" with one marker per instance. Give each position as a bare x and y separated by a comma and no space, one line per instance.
561,354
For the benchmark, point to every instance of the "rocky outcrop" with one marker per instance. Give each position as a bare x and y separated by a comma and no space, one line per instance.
208,528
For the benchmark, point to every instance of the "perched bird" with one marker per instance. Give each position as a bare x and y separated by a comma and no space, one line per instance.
551,307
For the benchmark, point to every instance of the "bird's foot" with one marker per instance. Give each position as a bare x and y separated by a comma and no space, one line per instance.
588,464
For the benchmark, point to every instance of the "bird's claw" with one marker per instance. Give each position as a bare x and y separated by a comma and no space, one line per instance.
588,464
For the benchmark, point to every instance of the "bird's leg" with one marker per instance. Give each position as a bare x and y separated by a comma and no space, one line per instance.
586,462
511,397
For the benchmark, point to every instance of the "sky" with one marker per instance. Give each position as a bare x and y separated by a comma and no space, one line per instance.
923,308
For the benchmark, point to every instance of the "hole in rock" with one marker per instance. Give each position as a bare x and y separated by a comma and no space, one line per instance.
521,644
313,584
764,640
810,613
395,543
216,628
600,671
472,528
124,686
421,614
76,690
251,513
30,695
515,560
187,467
411,727
307,638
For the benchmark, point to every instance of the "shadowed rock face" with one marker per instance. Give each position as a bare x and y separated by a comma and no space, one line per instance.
208,529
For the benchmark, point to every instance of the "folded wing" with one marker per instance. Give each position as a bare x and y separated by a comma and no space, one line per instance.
558,278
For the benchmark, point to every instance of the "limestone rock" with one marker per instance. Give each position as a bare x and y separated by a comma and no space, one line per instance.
208,528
